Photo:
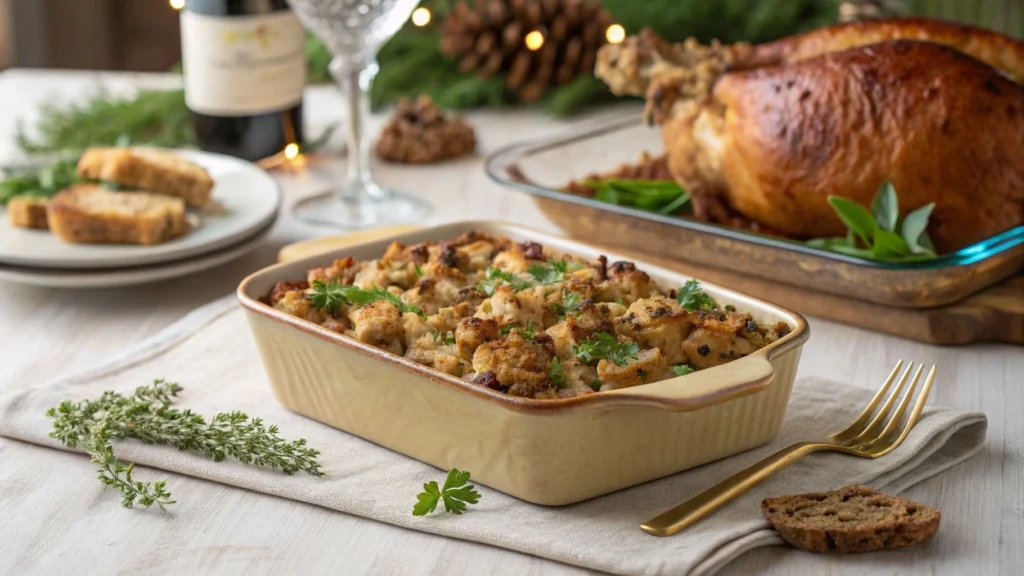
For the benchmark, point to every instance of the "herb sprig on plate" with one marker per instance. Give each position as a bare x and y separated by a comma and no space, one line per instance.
495,277
881,234
661,196
604,346
455,494
42,182
692,297
147,415
553,271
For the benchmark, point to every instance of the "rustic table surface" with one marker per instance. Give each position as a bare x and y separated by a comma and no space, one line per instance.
55,519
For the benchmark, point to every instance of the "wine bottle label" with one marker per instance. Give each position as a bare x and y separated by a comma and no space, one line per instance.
242,65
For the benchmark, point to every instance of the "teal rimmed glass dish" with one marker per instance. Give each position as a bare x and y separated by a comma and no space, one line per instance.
541,167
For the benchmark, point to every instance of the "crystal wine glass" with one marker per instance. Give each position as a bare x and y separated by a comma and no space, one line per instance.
353,31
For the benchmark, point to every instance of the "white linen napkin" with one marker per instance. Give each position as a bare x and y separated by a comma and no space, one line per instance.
211,353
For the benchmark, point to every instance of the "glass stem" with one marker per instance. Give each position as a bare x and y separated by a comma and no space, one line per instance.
354,81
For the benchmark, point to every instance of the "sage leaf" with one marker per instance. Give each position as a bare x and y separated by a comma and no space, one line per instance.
856,218
885,206
889,245
914,230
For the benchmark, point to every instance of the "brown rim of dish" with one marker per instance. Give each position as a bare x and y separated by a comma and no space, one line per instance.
531,405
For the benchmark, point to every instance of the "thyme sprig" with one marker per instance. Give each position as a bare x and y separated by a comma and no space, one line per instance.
147,415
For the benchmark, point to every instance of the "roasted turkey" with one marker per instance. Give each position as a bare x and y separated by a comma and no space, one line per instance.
767,132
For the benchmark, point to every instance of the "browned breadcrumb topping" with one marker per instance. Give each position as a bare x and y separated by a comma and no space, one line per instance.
511,316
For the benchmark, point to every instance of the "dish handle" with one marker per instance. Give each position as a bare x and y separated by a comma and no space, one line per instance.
702,388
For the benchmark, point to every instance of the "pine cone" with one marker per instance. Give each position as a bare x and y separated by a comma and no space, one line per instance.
418,133
489,36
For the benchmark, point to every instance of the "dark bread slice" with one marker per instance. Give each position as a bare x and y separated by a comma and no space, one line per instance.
851,519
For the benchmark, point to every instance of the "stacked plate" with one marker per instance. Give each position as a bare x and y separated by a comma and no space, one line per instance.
245,204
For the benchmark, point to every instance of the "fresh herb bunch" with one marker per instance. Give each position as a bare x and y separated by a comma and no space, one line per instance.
604,346
557,375
496,277
660,196
553,271
692,297
880,234
456,494
147,415
570,302
39,182
331,295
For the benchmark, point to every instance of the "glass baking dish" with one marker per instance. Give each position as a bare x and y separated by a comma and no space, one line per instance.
541,167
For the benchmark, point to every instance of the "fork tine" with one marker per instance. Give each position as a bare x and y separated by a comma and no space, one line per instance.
862,421
871,432
892,428
914,414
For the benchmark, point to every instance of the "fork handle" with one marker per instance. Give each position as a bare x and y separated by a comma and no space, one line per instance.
696,508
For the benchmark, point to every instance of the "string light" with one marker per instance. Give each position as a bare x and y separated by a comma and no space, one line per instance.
291,151
615,34
177,4
421,17
534,40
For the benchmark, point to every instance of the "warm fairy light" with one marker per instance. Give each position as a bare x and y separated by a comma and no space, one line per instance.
615,33
177,4
291,151
534,40
421,17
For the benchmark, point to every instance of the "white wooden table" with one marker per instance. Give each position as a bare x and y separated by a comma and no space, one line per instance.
54,518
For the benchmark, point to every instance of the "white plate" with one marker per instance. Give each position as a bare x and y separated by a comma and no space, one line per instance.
249,196
128,276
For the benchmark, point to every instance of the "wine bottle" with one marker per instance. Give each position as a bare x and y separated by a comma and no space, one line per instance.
244,64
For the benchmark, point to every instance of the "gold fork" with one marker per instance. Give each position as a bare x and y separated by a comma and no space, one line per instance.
867,437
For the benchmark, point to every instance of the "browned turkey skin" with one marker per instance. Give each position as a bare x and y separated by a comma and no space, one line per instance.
768,132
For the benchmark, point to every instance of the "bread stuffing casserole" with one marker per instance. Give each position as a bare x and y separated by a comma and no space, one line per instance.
519,319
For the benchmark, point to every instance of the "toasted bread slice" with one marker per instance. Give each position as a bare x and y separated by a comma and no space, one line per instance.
88,213
851,519
148,169
28,211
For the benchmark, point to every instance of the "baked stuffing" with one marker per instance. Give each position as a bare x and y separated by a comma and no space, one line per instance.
522,320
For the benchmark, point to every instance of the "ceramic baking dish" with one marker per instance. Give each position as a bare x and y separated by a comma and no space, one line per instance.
544,451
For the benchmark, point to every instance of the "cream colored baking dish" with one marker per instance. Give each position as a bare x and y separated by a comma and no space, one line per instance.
544,451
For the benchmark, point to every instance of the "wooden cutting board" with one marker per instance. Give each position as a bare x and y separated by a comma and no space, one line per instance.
994,315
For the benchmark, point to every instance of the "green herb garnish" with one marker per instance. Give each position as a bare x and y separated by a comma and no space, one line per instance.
570,303
692,297
553,271
147,415
456,494
42,182
496,277
661,196
603,345
880,234
595,384
331,295
419,271
443,338
682,370
528,333
557,375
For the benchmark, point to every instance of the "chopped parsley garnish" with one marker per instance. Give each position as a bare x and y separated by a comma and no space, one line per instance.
595,384
527,333
570,303
496,277
419,271
692,297
331,295
604,346
553,271
682,370
443,337
557,375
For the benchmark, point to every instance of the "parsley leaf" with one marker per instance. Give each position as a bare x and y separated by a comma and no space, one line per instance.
595,384
605,346
327,296
553,271
682,370
570,302
455,494
419,271
557,375
692,297
331,295
528,333
496,277
443,338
